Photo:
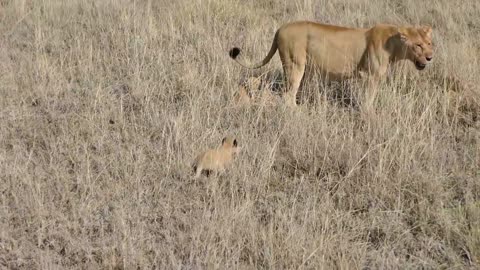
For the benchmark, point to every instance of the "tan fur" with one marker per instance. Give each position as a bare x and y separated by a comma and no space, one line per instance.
216,160
242,97
341,52
453,83
463,100
251,92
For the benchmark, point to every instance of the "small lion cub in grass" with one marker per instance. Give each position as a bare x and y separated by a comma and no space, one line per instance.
216,160
253,93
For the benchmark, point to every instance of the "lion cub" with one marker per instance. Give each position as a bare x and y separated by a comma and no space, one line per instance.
216,160
253,93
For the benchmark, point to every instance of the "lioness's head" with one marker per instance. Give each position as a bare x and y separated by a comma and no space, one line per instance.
417,45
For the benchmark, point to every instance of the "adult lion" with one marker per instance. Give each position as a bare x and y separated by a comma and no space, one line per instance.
342,52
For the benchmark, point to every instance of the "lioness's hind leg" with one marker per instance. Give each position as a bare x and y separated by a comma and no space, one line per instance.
293,75
293,62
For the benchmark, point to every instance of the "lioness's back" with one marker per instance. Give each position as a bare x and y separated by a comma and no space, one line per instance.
313,25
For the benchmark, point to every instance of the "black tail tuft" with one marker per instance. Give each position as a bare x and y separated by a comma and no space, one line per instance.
234,52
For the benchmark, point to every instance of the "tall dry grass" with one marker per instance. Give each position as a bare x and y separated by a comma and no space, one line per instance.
104,104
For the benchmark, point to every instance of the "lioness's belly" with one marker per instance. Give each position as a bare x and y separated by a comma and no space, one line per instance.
331,67
336,55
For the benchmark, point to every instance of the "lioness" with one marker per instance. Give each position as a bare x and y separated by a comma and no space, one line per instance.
341,52
216,160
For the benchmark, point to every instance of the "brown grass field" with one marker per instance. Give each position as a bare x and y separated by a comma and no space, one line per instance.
105,104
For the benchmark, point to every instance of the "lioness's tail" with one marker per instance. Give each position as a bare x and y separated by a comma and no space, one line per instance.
235,52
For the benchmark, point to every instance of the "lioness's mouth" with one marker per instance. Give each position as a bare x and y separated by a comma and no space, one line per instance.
419,65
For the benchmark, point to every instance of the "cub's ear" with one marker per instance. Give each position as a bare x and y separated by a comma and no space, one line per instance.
235,143
224,139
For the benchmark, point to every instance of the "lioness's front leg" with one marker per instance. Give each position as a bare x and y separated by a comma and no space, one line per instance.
374,79
372,90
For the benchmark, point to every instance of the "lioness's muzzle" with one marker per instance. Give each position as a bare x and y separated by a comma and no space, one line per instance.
419,65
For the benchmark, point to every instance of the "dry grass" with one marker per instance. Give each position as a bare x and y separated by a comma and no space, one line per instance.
104,105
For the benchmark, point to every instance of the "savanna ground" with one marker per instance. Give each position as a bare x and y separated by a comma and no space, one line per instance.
104,105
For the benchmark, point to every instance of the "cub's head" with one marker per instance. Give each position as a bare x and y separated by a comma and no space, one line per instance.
231,143
417,45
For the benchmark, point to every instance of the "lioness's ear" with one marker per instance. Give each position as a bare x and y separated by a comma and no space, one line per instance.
403,36
427,30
